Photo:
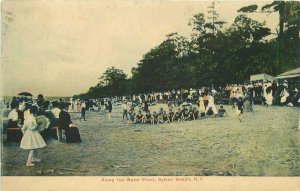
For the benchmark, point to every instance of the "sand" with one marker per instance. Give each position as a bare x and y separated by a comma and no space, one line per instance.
265,143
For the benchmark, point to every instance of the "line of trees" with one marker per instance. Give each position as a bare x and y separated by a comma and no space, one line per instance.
212,55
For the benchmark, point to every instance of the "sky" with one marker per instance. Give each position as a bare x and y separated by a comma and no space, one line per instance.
61,48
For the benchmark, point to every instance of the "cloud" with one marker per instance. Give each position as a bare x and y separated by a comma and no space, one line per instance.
60,48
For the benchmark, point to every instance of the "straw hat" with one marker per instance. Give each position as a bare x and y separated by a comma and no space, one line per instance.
42,122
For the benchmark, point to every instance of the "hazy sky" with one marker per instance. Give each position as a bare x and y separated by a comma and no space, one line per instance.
61,48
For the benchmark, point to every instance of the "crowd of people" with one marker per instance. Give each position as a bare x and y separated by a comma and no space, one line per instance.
181,114
267,92
140,114
33,122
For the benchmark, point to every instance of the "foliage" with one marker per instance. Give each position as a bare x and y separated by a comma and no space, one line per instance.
213,55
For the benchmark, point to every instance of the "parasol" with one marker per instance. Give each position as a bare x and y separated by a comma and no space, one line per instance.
25,94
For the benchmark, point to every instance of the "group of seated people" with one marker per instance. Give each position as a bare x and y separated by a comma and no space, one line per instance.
182,114
52,118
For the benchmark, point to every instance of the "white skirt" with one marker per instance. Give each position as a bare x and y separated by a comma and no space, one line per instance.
32,140
283,99
269,99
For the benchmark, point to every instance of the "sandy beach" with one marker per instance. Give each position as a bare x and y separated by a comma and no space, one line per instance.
265,143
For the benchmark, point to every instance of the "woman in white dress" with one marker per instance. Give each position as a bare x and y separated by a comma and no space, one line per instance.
269,98
32,140
211,104
201,106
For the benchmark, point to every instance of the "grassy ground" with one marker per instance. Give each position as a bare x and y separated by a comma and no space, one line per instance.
265,143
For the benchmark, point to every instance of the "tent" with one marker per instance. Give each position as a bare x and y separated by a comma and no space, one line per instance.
259,77
290,74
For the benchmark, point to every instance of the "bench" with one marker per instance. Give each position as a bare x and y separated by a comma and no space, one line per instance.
14,134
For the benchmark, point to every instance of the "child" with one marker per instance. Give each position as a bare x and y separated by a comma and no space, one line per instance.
109,108
139,117
160,116
154,118
165,117
148,117
131,116
222,111
239,108
32,140
170,116
195,113
191,114
185,114
180,112
176,117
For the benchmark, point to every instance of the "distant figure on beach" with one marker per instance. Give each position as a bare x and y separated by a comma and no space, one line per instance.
78,106
239,108
83,109
201,106
145,106
125,110
269,98
131,116
222,112
139,117
248,103
211,104
75,106
109,108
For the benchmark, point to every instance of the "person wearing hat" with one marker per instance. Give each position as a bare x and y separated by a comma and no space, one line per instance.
51,130
32,140
66,125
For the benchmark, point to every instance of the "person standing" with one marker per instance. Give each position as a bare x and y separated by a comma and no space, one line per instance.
248,102
78,105
109,108
201,106
32,140
83,108
239,108
211,104
145,106
125,110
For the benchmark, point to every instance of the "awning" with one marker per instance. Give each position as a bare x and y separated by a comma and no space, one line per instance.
258,77
288,76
